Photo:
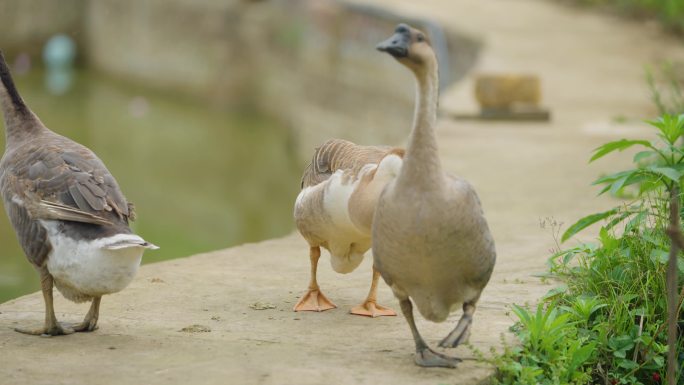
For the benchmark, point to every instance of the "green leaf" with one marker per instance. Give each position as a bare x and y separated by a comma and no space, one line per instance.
670,127
587,221
618,184
659,361
610,178
555,292
608,241
636,221
580,356
660,256
619,145
649,185
667,172
615,182
628,364
618,218
641,155
522,314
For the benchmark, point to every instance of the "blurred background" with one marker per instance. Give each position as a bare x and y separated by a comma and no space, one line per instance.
207,111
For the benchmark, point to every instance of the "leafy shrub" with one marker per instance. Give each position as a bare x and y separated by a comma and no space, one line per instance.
551,352
607,325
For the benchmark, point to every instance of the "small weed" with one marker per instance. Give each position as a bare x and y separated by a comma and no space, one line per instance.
666,88
555,227
621,119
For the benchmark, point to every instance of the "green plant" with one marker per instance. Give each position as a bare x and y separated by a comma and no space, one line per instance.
614,294
551,350
662,173
666,89
613,297
670,13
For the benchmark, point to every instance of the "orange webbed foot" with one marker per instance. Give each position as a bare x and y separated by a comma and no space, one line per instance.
314,300
372,309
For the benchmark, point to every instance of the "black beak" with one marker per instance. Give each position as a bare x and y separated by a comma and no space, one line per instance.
398,44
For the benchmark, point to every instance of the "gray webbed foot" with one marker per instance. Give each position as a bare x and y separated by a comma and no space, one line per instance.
89,323
86,326
47,331
460,334
431,359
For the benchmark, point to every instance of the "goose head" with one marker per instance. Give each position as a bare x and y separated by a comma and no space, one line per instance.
410,46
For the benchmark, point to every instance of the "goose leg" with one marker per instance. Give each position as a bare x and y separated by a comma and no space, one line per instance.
313,299
461,332
51,327
369,307
424,355
90,321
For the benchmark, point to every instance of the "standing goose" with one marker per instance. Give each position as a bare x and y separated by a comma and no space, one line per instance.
431,242
68,212
340,188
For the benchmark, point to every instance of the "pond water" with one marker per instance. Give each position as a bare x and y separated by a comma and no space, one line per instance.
202,177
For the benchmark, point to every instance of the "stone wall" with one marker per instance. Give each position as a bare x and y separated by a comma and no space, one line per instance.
311,63
25,25
184,46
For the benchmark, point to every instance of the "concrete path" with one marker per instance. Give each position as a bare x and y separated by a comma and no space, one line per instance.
196,321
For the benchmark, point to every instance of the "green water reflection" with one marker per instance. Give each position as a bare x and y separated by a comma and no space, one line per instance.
202,178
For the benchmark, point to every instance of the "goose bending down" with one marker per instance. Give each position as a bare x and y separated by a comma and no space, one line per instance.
68,212
431,242
335,210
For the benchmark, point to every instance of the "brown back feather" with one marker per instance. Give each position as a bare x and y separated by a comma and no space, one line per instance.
339,154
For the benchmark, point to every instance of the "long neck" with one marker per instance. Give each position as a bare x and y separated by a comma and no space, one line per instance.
422,167
20,122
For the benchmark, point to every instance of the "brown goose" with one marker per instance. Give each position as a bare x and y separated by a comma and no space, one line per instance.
431,242
68,212
335,210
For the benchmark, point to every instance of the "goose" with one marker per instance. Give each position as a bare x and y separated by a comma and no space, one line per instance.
68,212
335,209
431,242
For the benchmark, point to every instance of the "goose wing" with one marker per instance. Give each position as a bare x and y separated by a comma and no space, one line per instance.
60,181
339,154
67,183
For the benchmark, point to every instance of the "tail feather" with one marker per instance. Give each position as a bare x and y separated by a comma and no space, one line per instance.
126,244
124,241
55,211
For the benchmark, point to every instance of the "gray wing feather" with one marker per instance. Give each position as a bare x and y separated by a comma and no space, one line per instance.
31,235
76,179
50,210
97,203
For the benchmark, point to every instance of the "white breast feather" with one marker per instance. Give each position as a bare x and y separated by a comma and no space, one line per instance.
389,168
336,199
302,196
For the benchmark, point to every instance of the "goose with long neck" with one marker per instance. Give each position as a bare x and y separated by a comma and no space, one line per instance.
431,242
334,210
69,215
